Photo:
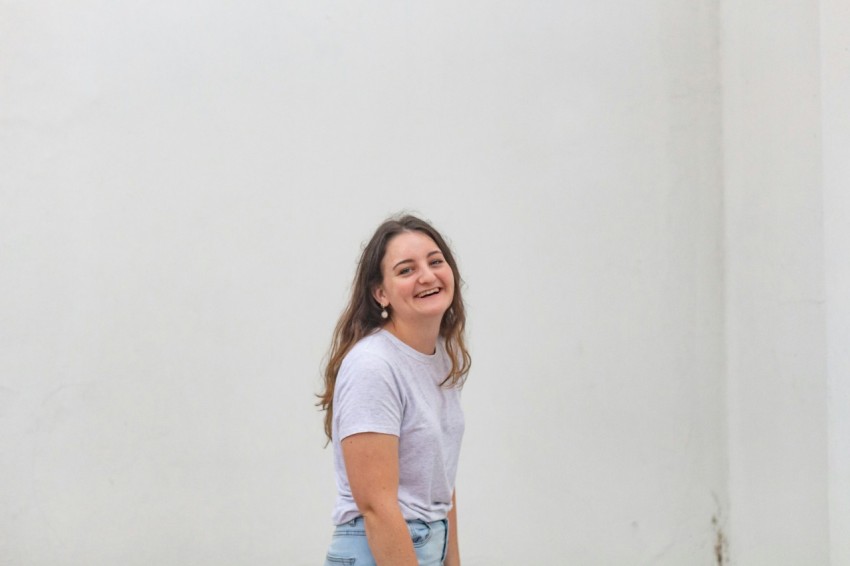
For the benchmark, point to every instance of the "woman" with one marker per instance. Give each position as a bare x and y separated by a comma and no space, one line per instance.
392,402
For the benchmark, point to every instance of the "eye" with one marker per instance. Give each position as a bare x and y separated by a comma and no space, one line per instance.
436,262
404,271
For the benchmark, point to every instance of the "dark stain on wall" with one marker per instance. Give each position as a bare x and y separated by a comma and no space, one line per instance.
721,545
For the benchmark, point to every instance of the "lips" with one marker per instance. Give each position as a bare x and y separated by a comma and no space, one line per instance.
428,293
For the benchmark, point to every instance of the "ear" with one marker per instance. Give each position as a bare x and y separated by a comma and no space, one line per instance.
380,296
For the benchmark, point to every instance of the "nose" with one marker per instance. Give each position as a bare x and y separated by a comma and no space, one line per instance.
426,274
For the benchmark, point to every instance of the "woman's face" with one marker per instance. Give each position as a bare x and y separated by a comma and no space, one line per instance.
418,283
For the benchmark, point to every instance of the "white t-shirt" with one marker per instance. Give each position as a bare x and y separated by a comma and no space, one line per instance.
386,386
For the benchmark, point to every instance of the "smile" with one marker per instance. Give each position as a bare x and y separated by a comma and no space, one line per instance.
428,293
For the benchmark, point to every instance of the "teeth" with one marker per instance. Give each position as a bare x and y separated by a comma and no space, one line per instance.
426,293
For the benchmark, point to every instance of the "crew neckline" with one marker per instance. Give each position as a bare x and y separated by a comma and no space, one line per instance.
409,350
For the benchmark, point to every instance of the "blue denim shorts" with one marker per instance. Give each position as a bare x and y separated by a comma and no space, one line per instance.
349,546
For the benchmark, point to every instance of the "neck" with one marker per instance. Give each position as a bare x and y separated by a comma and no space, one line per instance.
422,337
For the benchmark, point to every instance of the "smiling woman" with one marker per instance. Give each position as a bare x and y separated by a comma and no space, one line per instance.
392,401
418,285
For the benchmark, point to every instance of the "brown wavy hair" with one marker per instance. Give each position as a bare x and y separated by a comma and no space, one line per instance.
362,316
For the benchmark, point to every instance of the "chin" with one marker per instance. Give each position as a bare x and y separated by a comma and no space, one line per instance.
433,313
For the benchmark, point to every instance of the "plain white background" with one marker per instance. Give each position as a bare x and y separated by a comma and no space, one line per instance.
648,203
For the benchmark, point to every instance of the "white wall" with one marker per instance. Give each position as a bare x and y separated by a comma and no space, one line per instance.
835,132
785,177
184,188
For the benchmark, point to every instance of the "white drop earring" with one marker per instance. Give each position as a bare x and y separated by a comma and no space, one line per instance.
384,314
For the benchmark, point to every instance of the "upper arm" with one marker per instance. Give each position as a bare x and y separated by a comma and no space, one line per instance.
367,398
371,463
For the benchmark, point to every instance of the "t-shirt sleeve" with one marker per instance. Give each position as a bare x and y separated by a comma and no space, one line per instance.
367,398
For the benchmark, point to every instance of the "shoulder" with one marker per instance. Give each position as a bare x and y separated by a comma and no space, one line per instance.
372,349
367,378
373,355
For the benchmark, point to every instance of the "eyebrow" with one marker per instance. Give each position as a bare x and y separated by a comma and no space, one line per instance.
411,261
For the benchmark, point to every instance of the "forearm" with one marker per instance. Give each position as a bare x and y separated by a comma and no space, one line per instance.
388,537
453,550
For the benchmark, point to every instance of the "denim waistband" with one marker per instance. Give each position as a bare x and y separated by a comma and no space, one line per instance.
360,522
430,541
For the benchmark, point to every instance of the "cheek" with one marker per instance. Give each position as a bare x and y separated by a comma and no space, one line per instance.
450,285
450,279
402,288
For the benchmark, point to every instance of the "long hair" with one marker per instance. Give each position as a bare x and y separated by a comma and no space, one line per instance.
362,316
